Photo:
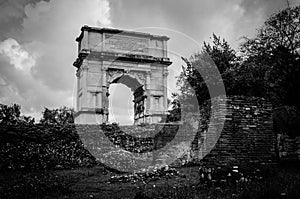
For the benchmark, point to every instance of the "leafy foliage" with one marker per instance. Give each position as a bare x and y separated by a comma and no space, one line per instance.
38,146
140,145
275,53
282,29
203,75
199,74
61,116
175,113
52,143
222,54
12,115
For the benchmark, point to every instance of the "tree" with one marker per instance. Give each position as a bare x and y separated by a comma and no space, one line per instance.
221,53
59,116
246,78
175,113
281,29
275,53
190,82
239,77
11,115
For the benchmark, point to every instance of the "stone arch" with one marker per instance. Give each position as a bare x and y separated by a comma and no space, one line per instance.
131,80
123,57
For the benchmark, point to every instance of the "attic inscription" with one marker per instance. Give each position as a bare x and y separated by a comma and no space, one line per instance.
126,44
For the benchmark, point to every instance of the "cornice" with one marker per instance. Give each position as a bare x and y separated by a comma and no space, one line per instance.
118,31
110,56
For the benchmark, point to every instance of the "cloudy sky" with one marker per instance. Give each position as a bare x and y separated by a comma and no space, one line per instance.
37,40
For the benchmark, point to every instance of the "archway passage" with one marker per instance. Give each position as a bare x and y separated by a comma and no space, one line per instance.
121,106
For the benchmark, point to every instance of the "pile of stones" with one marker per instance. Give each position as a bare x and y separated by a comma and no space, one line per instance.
219,176
154,175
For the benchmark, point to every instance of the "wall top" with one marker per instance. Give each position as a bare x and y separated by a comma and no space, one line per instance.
118,31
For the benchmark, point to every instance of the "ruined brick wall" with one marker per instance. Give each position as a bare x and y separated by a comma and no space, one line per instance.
287,128
288,147
247,135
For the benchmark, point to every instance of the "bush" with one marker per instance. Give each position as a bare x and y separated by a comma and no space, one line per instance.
39,146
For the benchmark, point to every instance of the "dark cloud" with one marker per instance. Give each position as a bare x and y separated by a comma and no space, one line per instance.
186,16
198,19
256,12
19,87
269,6
11,17
36,60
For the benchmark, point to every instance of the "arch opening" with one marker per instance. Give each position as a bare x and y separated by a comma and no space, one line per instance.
127,103
121,106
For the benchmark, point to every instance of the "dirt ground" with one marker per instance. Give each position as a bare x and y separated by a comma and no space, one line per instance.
83,183
96,182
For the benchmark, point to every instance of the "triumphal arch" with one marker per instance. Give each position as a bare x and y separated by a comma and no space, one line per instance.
138,60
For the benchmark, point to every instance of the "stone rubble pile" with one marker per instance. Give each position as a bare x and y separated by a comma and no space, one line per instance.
154,175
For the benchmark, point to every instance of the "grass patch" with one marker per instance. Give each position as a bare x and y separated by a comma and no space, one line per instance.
277,182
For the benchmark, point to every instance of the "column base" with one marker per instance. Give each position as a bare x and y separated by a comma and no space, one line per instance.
90,117
151,119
